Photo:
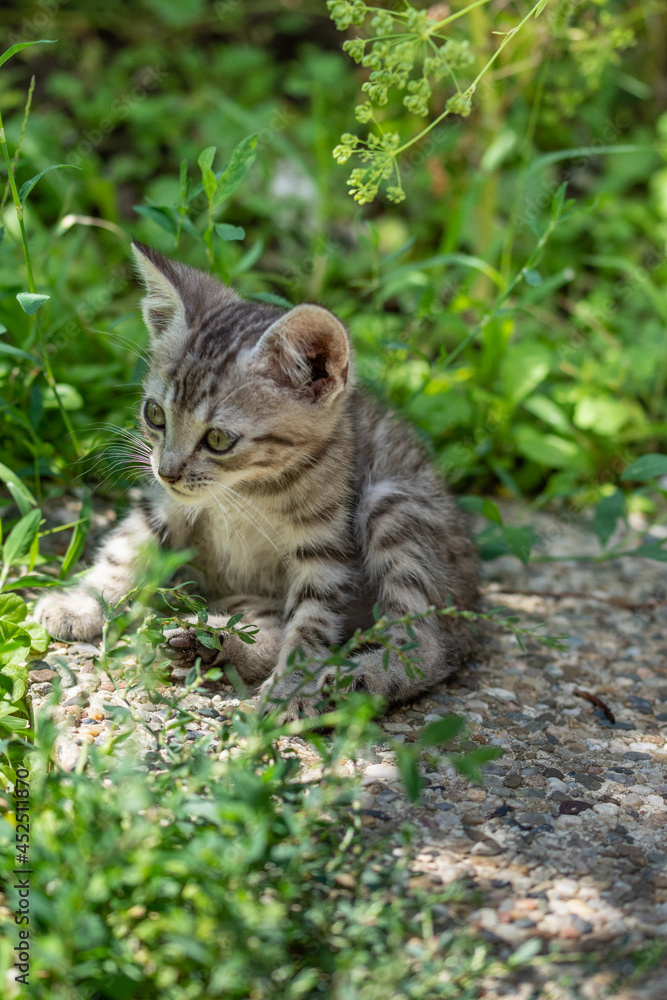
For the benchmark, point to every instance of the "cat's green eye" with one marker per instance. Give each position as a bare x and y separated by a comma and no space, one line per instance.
219,441
154,414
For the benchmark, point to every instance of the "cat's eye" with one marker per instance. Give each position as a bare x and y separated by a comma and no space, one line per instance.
220,441
154,414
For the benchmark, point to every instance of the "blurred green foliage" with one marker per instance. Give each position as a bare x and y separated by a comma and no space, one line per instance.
565,384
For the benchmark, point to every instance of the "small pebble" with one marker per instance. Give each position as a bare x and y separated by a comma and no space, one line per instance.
45,674
572,807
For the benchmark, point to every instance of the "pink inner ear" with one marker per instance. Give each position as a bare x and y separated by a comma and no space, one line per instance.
311,347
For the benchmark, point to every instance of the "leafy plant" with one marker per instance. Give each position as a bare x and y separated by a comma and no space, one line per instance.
403,39
214,190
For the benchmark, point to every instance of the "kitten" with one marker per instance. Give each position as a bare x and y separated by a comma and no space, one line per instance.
305,502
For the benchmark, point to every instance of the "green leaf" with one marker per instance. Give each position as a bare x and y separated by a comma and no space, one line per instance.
18,674
30,302
246,637
526,951
10,720
13,608
532,278
208,178
249,258
15,643
240,163
519,541
38,634
272,299
491,512
441,731
8,53
607,512
16,416
478,505
523,367
548,411
549,450
228,232
31,580
603,414
651,552
442,260
78,539
469,764
17,352
70,398
207,639
647,467
29,185
583,152
161,215
406,761
20,537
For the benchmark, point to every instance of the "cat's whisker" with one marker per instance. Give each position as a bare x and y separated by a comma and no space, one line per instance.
237,502
229,520
127,343
249,504
121,453
122,433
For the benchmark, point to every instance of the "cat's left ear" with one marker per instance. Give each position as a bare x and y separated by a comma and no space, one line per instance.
307,349
163,305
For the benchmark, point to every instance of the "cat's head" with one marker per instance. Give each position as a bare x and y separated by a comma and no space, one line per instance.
235,390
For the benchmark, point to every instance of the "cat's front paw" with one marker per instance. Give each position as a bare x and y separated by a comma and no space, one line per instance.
184,647
294,699
73,614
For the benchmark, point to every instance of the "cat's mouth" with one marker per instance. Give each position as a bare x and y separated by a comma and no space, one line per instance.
182,494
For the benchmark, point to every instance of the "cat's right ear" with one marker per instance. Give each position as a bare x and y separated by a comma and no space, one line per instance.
162,305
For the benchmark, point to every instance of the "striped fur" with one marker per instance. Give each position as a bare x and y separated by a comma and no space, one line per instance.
323,506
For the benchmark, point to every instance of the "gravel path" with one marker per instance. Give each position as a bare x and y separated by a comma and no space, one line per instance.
567,838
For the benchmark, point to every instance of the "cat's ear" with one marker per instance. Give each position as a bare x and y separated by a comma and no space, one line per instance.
163,303
308,349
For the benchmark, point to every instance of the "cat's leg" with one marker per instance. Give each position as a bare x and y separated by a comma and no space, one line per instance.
253,661
75,612
418,555
317,609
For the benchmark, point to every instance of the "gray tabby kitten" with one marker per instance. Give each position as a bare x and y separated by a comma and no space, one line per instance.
306,503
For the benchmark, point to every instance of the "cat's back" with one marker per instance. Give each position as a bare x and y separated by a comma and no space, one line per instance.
404,514
387,448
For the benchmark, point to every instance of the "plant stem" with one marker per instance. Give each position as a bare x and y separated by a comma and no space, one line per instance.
484,322
31,285
473,86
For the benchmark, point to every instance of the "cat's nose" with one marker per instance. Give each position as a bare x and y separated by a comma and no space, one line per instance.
170,477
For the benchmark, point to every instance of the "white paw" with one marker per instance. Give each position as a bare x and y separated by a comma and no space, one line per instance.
70,614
